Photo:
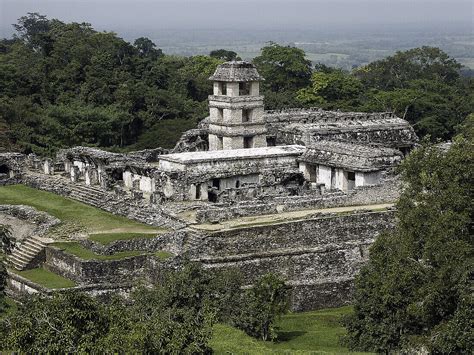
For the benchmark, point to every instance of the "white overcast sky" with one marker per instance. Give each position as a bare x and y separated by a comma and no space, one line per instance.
139,15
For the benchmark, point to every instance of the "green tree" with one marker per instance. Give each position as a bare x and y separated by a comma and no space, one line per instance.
397,71
65,322
332,89
263,304
146,48
416,290
283,67
223,54
286,70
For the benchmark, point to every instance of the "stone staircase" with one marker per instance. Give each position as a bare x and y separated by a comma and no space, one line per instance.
24,254
89,195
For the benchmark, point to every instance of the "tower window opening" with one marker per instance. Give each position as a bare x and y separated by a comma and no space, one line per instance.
220,114
244,89
198,191
248,142
246,115
237,184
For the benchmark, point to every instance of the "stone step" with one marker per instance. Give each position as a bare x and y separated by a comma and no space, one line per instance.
25,253
91,196
33,243
28,253
30,249
17,265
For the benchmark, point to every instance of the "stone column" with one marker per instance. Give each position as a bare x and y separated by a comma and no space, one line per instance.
74,173
47,167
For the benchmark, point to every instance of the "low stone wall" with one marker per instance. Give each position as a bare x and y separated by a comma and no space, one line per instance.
387,192
318,255
94,271
172,242
18,287
42,220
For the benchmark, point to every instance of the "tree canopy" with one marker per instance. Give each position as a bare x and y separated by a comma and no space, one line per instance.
67,84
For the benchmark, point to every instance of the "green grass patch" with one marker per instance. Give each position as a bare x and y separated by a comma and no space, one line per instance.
314,332
163,255
78,250
109,238
46,278
68,210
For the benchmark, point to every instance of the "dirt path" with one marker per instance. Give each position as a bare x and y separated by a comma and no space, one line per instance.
284,216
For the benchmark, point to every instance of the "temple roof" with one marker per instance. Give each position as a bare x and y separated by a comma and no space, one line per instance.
351,156
233,154
236,71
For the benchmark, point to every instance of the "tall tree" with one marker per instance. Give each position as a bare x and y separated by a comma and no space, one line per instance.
224,54
283,67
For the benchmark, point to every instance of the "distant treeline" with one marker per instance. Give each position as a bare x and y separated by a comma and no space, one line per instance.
66,84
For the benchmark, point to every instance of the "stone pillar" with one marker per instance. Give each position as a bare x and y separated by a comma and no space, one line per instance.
74,173
91,176
48,167
103,180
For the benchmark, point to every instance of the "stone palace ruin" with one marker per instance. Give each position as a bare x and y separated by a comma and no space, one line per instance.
301,192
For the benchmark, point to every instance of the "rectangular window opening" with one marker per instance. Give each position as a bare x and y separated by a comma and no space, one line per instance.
244,89
271,141
220,114
248,142
246,115
198,191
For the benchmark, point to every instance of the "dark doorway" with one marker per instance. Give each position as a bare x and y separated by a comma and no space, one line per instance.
333,178
248,142
216,183
4,169
271,141
351,179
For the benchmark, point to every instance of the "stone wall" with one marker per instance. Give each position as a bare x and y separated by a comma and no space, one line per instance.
42,220
387,192
171,242
94,271
317,255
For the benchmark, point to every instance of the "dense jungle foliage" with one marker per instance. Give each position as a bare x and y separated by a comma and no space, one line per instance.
65,84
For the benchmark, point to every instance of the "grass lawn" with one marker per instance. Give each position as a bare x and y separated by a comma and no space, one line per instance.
163,255
46,278
108,238
78,250
314,332
69,211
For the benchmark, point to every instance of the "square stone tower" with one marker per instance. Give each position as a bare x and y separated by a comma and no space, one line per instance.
236,108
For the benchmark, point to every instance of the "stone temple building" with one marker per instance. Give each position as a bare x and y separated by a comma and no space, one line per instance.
287,191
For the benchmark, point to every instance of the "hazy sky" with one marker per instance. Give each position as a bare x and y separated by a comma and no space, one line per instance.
143,15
